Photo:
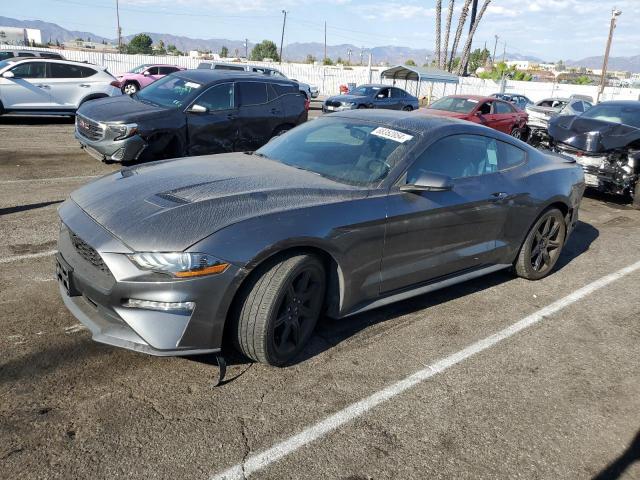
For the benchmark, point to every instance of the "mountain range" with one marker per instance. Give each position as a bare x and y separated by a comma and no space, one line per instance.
298,51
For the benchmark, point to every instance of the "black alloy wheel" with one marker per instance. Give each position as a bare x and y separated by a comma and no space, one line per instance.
542,247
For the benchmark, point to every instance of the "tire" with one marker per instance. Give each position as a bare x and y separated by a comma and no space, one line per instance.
517,133
362,106
280,130
542,247
279,309
129,88
408,108
635,198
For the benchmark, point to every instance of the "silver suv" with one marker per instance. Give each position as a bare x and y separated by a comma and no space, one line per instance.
38,86
243,67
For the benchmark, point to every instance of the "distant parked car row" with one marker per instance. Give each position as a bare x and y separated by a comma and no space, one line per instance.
372,96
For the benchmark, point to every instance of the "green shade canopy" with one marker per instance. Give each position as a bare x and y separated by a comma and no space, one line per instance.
420,74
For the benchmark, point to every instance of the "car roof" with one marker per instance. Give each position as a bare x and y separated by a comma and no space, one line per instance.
479,98
623,103
210,76
16,60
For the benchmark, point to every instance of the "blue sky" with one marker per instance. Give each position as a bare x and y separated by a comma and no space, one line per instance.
551,29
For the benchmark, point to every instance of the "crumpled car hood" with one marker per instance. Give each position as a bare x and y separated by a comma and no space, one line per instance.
172,204
591,135
121,109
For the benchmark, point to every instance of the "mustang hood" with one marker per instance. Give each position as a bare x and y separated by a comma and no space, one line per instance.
122,108
591,135
170,205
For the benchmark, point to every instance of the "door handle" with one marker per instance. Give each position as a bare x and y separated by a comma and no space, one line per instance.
43,86
84,85
498,196
275,111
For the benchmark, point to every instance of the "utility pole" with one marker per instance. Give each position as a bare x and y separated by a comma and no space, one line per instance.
493,57
615,13
474,11
349,52
119,29
284,22
246,48
504,52
325,42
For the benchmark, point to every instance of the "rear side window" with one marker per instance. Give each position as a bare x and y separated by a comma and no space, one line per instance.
397,93
167,70
62,70
51,55
25,54
283,88
252,93
204,66
228,67
5,55
509,156
30,70
501,107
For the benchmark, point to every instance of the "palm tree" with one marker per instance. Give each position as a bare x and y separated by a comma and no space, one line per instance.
456,40
467,46
447,29
438,18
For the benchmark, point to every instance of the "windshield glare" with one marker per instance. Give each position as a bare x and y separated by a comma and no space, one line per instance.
364,91
138,69
454,104
344,150
626,114
170,91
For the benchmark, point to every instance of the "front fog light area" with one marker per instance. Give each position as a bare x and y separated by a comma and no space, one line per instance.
161,306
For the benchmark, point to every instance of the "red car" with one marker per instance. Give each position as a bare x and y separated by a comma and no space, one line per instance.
488,111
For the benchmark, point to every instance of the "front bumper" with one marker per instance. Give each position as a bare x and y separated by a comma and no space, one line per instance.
101,280
341,108
106,149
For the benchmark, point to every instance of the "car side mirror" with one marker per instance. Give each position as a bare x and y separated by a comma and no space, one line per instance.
429,182
147,73
8,75
195,108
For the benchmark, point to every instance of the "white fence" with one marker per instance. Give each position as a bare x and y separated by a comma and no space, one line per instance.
329,79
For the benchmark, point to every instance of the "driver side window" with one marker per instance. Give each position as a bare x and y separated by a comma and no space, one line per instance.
219,97
457,156
382,93
485,108
30,70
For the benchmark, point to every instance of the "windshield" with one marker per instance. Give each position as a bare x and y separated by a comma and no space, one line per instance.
454,104
626,114
139,69
344,150
169,91
364,91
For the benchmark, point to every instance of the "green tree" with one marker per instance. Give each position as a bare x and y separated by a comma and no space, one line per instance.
327,61
581,80
310,59
141,43
224,52
410,63
339,60
477,59
265,49
160,49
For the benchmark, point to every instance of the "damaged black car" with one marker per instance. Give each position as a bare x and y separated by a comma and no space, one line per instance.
605,141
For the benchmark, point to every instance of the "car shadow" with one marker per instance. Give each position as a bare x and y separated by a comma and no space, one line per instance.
30,206
583,235
36,120
331,332
616,468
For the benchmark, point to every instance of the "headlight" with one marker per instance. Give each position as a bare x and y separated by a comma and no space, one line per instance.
123,130
179,264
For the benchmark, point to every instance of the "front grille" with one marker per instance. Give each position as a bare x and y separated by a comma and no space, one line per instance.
89,253
88,128
331,103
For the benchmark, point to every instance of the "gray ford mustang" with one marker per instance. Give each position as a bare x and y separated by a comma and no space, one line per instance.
340,215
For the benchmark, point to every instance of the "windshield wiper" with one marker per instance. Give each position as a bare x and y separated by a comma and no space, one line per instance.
261,155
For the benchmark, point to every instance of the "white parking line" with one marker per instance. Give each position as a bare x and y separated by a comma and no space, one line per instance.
261,460
51,179
15,258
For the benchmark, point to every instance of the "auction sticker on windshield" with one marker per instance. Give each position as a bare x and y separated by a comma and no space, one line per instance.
390,134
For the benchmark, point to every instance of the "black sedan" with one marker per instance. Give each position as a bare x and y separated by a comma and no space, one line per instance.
338,216
192,112
372,96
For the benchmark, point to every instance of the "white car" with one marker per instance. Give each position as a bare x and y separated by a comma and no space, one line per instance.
38,86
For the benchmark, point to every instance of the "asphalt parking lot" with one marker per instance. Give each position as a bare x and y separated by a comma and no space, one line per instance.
558,399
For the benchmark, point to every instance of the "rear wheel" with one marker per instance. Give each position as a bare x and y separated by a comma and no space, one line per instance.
408,108
541,249
130,88
279,309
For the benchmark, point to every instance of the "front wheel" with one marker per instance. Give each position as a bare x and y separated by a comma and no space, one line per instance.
541,249
129,88
279,309
518,133
408,108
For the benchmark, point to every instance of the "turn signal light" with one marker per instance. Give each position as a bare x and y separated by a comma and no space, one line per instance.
203,271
